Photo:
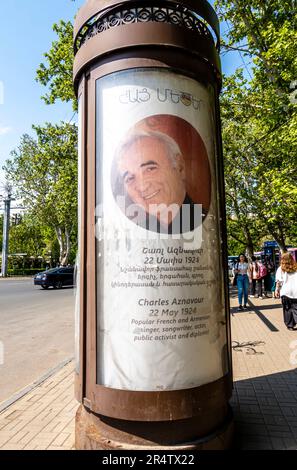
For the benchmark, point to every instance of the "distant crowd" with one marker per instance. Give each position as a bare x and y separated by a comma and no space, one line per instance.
259,278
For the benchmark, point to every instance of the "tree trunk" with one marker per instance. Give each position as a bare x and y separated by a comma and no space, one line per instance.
249,242
60,238
281,243
67,247
249,251
279,237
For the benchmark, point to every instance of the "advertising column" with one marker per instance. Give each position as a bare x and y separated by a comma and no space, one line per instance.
161,319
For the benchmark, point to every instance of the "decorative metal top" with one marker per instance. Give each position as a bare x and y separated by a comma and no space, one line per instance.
158,11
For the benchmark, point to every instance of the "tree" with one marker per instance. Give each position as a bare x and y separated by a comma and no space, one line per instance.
44,172
259,119
28,236
56,73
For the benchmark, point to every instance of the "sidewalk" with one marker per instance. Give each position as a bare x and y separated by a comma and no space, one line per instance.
265,389
264,399
44,418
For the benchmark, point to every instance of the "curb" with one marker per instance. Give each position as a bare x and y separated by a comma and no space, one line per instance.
17,396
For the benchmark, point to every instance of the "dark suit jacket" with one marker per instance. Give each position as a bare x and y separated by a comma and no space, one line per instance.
186,220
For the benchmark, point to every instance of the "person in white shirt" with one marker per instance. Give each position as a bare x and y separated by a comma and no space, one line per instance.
241,271
286,288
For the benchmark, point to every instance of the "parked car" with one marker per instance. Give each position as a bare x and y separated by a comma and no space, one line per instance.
56,278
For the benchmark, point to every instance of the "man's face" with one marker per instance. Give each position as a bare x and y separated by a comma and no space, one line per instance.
149,175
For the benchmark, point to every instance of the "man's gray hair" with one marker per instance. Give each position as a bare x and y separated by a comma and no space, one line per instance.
170,144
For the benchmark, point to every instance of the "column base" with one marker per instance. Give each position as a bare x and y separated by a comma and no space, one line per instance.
92,433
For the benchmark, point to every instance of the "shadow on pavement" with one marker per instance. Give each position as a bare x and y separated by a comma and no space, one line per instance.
248,346
265,412
257,309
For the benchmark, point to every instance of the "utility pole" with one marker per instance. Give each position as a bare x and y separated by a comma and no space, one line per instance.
5,243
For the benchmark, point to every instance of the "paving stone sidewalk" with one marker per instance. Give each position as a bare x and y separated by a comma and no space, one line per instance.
265,388
264,399
44,418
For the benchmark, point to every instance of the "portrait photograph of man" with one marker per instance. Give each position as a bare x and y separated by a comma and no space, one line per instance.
152,176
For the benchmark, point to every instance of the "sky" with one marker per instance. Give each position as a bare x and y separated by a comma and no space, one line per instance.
25,35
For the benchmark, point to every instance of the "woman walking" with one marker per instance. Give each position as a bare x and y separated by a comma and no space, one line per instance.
241,270
286,288
253,269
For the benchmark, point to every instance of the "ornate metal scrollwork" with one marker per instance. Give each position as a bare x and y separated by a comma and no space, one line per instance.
165,13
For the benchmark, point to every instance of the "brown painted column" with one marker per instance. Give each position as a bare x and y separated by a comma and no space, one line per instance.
153,347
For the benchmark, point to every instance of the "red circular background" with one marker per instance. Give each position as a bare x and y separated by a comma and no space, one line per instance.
198,176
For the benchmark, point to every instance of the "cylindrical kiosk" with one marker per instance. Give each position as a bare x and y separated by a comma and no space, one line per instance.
153,349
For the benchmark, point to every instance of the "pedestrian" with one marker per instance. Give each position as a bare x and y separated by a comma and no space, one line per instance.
253,274
257,272
270,276
262,272
286,288
241,271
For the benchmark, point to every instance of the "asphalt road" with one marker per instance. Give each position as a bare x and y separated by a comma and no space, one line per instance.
36,330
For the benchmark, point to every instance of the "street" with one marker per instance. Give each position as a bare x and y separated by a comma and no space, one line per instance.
36,330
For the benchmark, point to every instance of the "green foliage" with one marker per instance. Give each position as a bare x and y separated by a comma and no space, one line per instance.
33,238
259,122
43,169
259,118
26,237
44,172
56,72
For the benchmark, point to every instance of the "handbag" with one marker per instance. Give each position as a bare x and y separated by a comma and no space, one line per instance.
234,282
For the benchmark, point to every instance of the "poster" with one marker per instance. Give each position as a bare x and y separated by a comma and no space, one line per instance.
161,321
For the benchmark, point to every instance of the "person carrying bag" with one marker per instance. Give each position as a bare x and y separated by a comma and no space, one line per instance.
242,280
286,289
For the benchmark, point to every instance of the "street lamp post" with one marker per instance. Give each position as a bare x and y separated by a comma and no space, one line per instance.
153,348
5,242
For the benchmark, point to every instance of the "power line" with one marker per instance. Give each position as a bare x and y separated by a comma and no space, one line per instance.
264,137
14,208
246,67
69,122
75,112
239,52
